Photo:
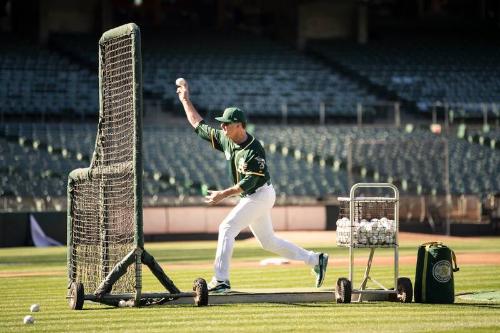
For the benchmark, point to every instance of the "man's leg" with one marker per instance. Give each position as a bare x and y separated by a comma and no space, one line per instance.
240,217
263,230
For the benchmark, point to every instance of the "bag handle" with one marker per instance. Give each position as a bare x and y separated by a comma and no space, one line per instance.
429,244
453,256
455,267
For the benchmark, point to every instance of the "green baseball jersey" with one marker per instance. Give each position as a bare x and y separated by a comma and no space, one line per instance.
247,161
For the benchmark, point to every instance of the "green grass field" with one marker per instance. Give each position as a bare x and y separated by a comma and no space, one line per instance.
30,275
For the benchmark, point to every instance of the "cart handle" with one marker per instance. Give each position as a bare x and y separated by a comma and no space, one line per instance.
374,185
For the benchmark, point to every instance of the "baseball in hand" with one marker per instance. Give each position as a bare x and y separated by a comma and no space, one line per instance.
180,82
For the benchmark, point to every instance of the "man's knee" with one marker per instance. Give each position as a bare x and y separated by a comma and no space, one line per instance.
268,244
227,230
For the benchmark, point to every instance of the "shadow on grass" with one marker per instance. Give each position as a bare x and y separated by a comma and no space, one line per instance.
389,304
98,308
476,305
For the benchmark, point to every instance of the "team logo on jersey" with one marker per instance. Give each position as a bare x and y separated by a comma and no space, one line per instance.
242,166
261,162
442,271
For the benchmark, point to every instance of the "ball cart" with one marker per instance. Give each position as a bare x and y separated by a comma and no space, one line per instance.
370,222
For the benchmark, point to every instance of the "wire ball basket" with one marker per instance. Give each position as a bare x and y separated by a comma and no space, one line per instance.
373,224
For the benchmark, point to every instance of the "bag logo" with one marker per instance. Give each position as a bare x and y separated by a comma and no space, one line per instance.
442,271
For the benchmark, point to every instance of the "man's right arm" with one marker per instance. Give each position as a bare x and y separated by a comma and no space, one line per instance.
203,130
192,115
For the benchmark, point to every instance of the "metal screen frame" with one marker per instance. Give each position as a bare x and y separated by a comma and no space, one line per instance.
124,269
86,174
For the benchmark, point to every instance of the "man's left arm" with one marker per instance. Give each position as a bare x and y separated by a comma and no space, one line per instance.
214,197
253,170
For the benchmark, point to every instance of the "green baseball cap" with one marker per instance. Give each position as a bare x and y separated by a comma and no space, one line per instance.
232,115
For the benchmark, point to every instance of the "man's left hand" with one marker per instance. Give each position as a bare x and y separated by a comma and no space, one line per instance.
214,197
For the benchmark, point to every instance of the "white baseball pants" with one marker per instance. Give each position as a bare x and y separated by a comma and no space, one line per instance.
255,211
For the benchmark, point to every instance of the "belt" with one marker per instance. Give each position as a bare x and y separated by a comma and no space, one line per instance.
252,191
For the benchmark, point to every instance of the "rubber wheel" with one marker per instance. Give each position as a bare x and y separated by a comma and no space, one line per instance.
405,290
201,292
76,296
343,291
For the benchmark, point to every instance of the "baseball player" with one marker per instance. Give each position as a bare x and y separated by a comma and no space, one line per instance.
250,176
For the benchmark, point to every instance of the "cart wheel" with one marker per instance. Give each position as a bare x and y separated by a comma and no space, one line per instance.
343,291
201,292
405,290
76,296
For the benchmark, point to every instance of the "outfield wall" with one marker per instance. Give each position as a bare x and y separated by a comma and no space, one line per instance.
207,219
161,222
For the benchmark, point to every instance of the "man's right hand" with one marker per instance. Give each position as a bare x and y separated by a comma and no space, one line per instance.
193,116
183,91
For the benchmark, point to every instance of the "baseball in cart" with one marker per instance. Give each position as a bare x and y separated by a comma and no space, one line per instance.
370,222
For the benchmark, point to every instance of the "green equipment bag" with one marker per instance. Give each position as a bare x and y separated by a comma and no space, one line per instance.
434,274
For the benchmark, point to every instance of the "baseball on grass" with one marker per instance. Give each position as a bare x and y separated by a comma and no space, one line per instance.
29,320
122,303
35,308
180,82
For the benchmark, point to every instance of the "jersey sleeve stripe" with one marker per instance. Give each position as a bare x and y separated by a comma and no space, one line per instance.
212,137
254,173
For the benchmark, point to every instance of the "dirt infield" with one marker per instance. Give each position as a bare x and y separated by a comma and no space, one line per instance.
328,238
